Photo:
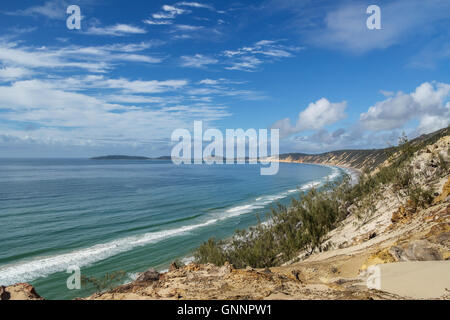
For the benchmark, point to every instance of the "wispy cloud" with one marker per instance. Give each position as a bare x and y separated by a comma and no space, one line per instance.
195,5
13,73
116,30
54,9
197,61
90,58
169,13
158,22
249,58
245,64
344,26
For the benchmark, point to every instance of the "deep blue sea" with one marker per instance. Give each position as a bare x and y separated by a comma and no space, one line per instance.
109,215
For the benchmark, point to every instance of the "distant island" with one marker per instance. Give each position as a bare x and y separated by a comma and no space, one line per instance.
123,157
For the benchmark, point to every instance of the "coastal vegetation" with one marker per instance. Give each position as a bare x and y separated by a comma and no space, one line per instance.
304,225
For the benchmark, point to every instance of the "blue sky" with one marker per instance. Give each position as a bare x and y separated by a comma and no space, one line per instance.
137,70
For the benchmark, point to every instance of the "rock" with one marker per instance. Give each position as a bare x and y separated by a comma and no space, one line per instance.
20,291
173,266
4,295
296,275
380,257
418,250
267,270
396,252
401,215
421,250
227,268
440,234
149,275
443,239
444,194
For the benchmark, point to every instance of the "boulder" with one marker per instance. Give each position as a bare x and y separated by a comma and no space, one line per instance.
149,275
418,250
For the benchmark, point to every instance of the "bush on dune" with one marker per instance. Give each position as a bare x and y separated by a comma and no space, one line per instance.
305,223
301,226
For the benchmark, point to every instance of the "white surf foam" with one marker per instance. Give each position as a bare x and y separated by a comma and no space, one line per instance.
26,271
42,267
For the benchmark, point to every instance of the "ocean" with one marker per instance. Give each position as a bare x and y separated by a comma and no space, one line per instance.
110,215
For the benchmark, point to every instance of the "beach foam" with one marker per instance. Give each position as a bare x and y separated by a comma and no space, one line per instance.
30,270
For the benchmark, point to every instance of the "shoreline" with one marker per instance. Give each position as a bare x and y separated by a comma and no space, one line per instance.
188,258
354,174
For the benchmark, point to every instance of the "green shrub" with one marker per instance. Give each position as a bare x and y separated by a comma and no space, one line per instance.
306,222
303,226
420,198
210,251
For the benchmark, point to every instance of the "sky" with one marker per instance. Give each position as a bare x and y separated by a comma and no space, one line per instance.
137,70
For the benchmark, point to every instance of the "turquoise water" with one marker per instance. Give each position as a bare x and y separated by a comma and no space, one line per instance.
105,216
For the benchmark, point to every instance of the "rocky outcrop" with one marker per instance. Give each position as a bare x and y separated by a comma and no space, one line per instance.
418,250
196,281
445,194
20,291
149,275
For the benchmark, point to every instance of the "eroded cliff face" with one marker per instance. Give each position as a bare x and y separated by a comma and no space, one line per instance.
208,281
352,158
359,159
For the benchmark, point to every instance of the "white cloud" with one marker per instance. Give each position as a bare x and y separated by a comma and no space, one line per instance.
320,114
195,5
157,22
345,26
250,57
209,81
390,113
316,116
426,104
152,86
54,9
93,59
169,12
245,64
387,93
197,61
116,30
43,58
429,123
62,115
12,73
